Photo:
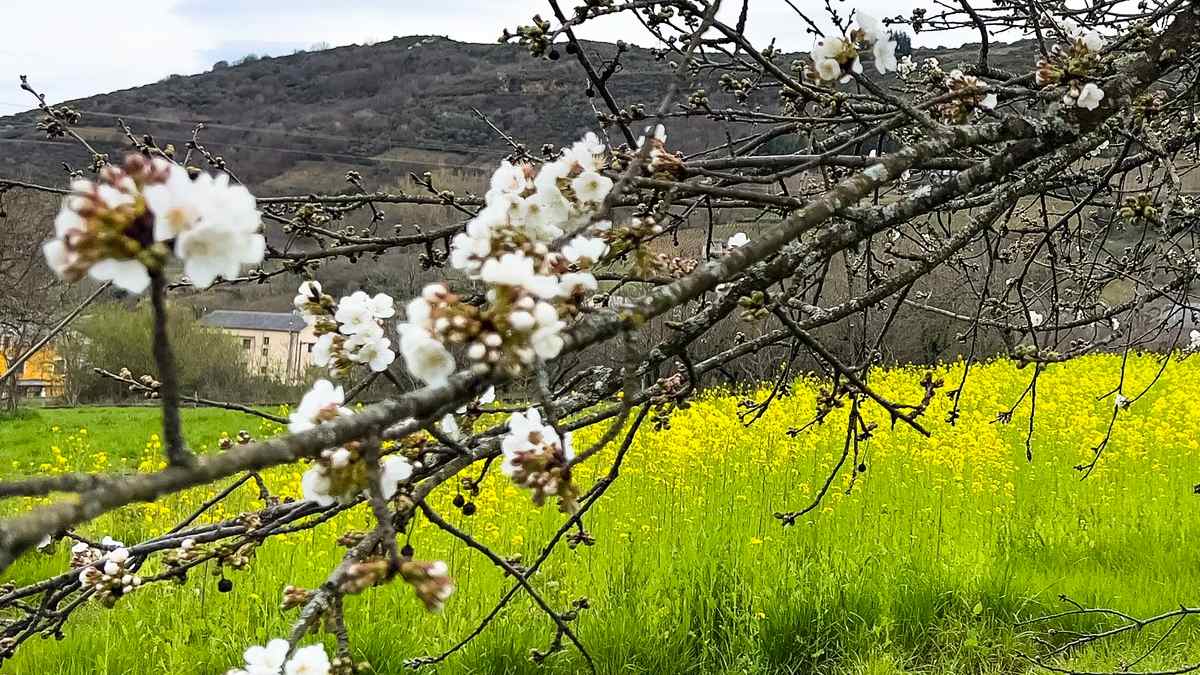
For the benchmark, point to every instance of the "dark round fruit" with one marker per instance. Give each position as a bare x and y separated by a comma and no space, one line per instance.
553,55
571,48
224,585
862,468
589,92
459,501
406,550
469,509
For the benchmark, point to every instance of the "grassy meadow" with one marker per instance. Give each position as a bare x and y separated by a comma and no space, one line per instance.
926,563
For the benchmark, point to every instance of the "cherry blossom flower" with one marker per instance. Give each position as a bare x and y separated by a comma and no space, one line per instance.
884,52
425,357
450,427
310,660
536,457
315,486
591,249
509,179
129,274
372,349
517,270
212,252
573,282
393,471
1090,96
547,340
591,187
828,69
215,225
175,202
322,351
738,240
871,27
266,659
308,291
322,403
359,312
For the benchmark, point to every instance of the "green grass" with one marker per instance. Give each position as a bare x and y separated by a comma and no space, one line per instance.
924,567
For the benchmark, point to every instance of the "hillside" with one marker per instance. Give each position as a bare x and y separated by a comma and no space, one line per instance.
298,122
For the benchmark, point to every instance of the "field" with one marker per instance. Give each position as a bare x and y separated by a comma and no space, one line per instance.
926,565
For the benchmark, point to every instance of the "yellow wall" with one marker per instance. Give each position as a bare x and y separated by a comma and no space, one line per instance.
40,367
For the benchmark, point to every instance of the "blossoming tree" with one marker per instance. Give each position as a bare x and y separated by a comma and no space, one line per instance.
1010,183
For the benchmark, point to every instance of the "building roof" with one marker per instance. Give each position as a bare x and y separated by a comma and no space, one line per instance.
287,322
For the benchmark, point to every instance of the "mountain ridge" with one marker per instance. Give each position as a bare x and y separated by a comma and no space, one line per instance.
392,106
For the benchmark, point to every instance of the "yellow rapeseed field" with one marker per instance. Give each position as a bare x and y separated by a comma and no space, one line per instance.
923,555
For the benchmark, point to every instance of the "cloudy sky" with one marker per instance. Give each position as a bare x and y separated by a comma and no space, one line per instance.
74,48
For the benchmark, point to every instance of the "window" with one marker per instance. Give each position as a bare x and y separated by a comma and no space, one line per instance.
266,345
247,343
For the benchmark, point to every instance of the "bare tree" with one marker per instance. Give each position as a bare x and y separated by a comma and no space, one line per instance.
1050,200
31,296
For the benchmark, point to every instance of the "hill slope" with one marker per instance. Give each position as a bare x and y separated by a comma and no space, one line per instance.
298,122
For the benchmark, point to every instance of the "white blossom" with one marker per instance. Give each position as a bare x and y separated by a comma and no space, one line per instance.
175,202
1091,39
450,427
509,179
585,248
211,252
223,233
872,28
322,403
587,153
1035,318
1194,340
828,69
738,240
1090,96
371,349
305,294
523,428
517,270
266,659
310,660
827,48
360,312
426,358
884,52
393,470
988,102
129,274
571,282
547,341
340,458
591,187
315,486
322,351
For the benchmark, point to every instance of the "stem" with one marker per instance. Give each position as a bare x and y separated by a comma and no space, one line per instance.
168,376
